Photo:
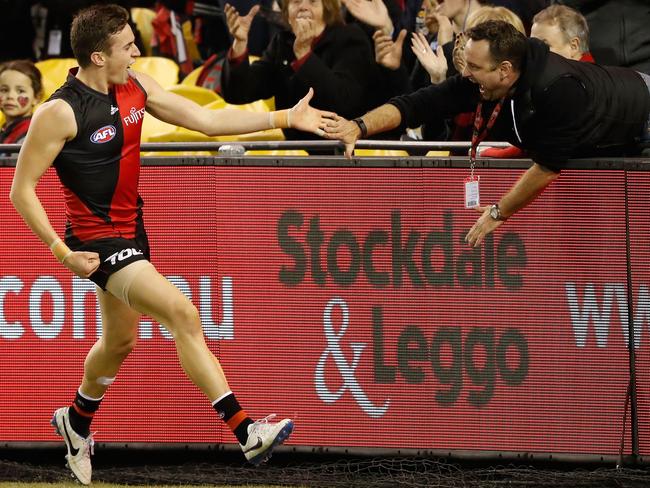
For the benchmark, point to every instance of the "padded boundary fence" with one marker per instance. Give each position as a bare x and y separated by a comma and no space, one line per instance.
632,178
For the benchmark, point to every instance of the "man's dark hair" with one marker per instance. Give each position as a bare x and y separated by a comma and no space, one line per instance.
92,29
506,43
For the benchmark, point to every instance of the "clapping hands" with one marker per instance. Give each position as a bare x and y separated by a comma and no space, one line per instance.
239,26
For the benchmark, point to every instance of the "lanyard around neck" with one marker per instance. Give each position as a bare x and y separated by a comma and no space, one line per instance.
479,133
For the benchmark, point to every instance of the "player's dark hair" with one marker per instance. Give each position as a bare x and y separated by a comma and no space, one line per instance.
92,29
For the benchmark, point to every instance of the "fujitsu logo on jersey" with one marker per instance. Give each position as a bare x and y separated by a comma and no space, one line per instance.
103,134
134,117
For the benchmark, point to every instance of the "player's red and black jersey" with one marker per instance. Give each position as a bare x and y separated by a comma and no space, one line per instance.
99,169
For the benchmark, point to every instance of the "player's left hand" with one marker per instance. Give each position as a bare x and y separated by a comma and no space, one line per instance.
482,227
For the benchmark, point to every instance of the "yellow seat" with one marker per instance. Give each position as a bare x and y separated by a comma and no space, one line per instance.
2,119
151,126
163,70
198,94
437,154
380,153
142,17
155,154
277,152
54,72
256,106
191,78
270,103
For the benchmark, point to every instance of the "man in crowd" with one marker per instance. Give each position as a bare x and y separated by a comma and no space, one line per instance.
553,108
564,30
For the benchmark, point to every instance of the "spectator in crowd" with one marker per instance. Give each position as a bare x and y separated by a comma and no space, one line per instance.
16,30
564,30
374,15
620,35
524,9
20,92
392,77
436,64
444,22
553,107
319,51
59,18
566,33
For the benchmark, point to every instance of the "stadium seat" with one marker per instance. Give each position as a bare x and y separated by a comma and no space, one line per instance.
379,153
151,126
191,78
198,94
163,70
437,154
142,17
277,152
54,72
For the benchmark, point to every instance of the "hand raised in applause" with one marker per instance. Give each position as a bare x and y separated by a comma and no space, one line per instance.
239,26
434,63
388,53
371,12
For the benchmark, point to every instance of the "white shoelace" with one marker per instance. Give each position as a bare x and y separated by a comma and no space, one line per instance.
264,421
91,445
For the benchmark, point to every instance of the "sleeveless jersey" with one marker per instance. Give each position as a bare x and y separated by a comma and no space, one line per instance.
99,169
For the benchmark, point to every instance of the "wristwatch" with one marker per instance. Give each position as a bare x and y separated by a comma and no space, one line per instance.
495,213
362,127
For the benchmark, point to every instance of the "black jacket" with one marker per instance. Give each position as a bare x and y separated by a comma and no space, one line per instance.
619,32
340,69
559,109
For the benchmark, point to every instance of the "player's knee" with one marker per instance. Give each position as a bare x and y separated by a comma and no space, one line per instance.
185,317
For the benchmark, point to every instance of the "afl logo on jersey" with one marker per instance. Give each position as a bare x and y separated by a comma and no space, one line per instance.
104,134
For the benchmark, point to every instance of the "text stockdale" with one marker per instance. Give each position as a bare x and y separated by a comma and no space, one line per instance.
439,258
462,266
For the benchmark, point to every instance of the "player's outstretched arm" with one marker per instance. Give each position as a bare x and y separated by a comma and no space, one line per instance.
180,111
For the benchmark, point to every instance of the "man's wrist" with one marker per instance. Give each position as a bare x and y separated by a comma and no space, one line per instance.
495,213
363,129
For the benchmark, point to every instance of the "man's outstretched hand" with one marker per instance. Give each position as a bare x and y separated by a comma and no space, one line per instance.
344,130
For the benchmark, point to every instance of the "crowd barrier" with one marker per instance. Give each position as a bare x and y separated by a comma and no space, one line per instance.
341,293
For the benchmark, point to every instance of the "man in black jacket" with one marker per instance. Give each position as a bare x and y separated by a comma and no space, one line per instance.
554,108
